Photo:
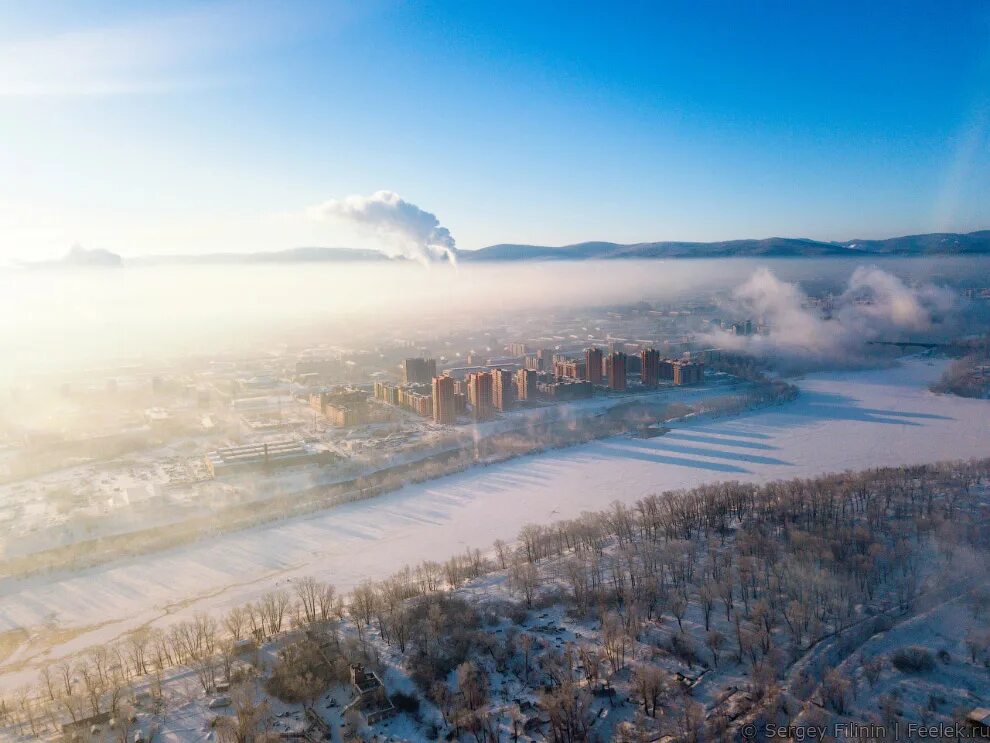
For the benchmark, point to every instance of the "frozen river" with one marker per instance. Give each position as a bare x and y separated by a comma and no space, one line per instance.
850,420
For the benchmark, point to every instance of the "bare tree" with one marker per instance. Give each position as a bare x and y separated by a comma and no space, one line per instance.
569,710
273,606
443,697
235,621
652,684
615,641
308,591
715,640
524,578
137,648
249,722
591,661
48,682
501,553
26,708
93,685
329,602
706,597
526,643
473,684
678,607
362,604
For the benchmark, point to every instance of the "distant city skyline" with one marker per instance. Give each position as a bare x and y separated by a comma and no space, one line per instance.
192,128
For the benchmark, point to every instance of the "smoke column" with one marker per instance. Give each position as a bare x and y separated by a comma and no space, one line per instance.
405,229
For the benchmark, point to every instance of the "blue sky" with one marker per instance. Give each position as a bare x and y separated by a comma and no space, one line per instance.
192,127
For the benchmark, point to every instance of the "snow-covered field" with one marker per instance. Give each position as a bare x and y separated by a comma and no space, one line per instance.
848,420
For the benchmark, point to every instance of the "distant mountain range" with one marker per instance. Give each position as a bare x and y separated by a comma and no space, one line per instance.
943,243
938,243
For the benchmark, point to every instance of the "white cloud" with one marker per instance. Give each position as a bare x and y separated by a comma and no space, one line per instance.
145,55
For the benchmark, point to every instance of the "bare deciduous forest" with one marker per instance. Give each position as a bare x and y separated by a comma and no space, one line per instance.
690,614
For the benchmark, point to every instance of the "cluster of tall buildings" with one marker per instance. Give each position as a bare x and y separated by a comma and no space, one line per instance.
445,397
654,369
612,369
483,392
595,368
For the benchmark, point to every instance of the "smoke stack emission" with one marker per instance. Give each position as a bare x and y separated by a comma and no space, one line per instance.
406,230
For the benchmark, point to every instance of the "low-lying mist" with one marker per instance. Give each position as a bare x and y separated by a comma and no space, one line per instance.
63,321
835,332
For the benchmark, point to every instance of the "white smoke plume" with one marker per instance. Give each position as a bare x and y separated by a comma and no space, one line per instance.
405,229
802,334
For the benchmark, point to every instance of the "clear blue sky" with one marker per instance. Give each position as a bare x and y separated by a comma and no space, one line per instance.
187,127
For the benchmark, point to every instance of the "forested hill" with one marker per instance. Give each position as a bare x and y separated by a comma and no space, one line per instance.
973,243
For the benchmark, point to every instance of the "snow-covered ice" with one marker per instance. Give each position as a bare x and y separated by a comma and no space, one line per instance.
841,420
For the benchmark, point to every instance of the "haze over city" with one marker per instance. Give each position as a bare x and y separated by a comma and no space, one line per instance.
447,371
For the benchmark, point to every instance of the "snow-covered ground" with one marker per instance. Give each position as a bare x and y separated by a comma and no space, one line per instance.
847,420
956,683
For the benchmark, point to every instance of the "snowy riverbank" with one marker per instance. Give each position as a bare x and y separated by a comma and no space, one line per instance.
847,420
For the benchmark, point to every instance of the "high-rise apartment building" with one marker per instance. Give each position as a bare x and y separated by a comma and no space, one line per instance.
615,368
502,394
480,395
526,384
444,403
544,359
419,371
649,367
593,365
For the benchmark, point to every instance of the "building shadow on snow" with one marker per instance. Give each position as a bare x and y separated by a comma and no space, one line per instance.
651,455
680,434
832,406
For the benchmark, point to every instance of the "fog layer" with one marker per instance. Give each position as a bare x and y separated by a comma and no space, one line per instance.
66,320
834,331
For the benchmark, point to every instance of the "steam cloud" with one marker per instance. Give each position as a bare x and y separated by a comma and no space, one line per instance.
875,305
405,229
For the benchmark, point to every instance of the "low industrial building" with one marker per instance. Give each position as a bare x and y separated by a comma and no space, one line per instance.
263,456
